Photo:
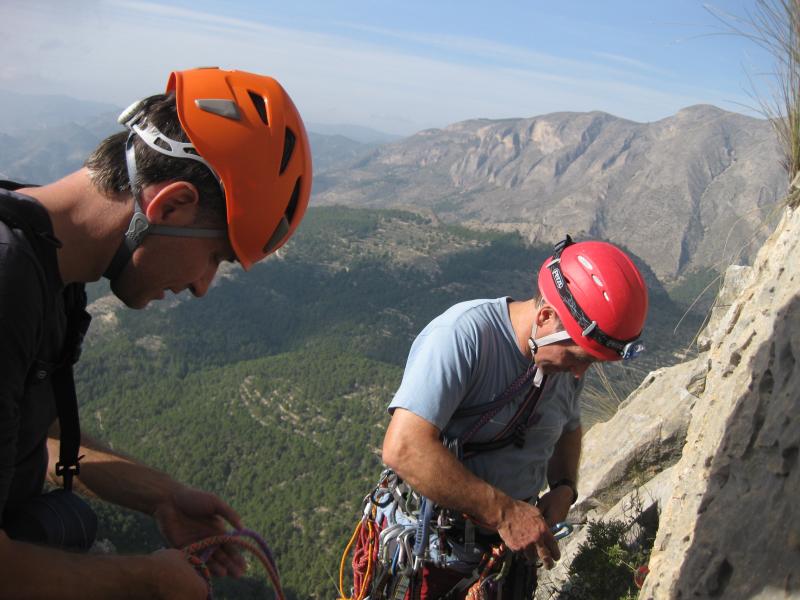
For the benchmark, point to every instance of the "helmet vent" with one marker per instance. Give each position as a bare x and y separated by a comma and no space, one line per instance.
605,295
585,262
292,206
284,225
288,149
222,107
261,106
597,281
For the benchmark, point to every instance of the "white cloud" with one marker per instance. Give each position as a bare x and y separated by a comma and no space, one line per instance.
119,50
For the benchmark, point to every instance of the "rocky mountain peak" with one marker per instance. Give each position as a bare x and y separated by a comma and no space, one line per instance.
684,193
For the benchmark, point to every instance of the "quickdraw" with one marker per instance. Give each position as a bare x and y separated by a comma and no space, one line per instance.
199,552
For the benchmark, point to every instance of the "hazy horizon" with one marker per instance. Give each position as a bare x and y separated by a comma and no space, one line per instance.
395,69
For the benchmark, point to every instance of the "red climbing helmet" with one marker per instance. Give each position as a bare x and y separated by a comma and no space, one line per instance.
599,295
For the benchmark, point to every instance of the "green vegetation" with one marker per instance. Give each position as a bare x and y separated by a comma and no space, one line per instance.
272,390
606,564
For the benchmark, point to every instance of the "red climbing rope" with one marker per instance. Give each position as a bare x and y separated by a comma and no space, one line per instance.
199,552
365,556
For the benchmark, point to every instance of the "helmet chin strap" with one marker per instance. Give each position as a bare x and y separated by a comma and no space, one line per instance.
139,226
535,343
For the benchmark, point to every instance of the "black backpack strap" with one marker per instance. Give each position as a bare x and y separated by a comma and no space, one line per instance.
64,384
32,219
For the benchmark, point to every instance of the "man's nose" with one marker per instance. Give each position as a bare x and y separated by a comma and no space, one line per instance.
200,286
579,370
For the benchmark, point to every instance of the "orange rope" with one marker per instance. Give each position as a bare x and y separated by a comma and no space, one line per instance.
369,541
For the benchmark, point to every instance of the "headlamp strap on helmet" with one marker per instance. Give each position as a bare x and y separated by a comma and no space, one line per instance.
560,246
625,348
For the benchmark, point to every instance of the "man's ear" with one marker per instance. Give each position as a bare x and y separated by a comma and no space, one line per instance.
175,203
546,314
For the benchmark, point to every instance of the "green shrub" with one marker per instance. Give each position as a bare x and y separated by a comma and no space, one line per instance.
605,564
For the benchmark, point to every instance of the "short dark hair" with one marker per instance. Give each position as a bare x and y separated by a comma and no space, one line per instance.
109,173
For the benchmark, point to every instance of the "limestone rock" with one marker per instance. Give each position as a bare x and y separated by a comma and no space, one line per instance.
645,436
737,278
713,444
731,528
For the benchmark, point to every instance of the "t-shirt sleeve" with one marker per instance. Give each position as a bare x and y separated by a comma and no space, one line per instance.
21,306
437,374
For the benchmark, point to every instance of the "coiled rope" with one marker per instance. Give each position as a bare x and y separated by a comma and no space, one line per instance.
199,552
365,537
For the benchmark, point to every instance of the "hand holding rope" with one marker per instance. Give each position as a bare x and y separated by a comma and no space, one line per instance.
199,552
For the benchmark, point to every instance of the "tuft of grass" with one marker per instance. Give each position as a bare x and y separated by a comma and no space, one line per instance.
607,386
774,25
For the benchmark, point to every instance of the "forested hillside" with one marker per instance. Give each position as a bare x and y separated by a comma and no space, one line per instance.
271,391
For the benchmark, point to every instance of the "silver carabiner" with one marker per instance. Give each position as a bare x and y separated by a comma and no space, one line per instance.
561,530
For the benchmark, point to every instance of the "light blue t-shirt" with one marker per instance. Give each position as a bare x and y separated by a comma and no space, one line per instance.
468,356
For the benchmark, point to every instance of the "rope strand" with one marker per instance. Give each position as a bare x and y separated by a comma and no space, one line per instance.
201,551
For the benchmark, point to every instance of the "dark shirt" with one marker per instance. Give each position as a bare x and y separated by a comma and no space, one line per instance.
32,332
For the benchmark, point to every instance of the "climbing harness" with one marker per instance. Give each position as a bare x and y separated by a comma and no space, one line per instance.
401,530
199,552
388,554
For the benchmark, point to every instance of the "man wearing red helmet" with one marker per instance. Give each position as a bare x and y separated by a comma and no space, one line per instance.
216,169
498,381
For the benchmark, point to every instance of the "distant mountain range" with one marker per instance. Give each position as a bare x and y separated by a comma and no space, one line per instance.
689,192
42,138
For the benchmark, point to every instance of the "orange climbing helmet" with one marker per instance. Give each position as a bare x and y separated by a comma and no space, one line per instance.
599,296
251,135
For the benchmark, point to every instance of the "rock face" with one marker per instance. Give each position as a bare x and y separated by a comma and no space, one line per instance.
682,193
713,444
731,527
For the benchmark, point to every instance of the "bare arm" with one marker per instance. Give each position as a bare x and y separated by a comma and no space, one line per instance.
113,477
563,465
566,457
413,449
30,571
183,514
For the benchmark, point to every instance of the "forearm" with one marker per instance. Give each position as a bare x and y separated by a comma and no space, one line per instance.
36,572
412,448
566,457
115,478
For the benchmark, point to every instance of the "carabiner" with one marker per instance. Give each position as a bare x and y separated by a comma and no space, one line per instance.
561,530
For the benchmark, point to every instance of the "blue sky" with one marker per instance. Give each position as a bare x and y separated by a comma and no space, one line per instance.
395,66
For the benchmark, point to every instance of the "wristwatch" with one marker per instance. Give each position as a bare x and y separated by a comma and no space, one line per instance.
569,483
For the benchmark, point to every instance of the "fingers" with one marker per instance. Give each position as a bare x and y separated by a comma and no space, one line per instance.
547,550
227,561
228,513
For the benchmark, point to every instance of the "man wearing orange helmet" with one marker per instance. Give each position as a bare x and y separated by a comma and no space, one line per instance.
218,168
498,381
